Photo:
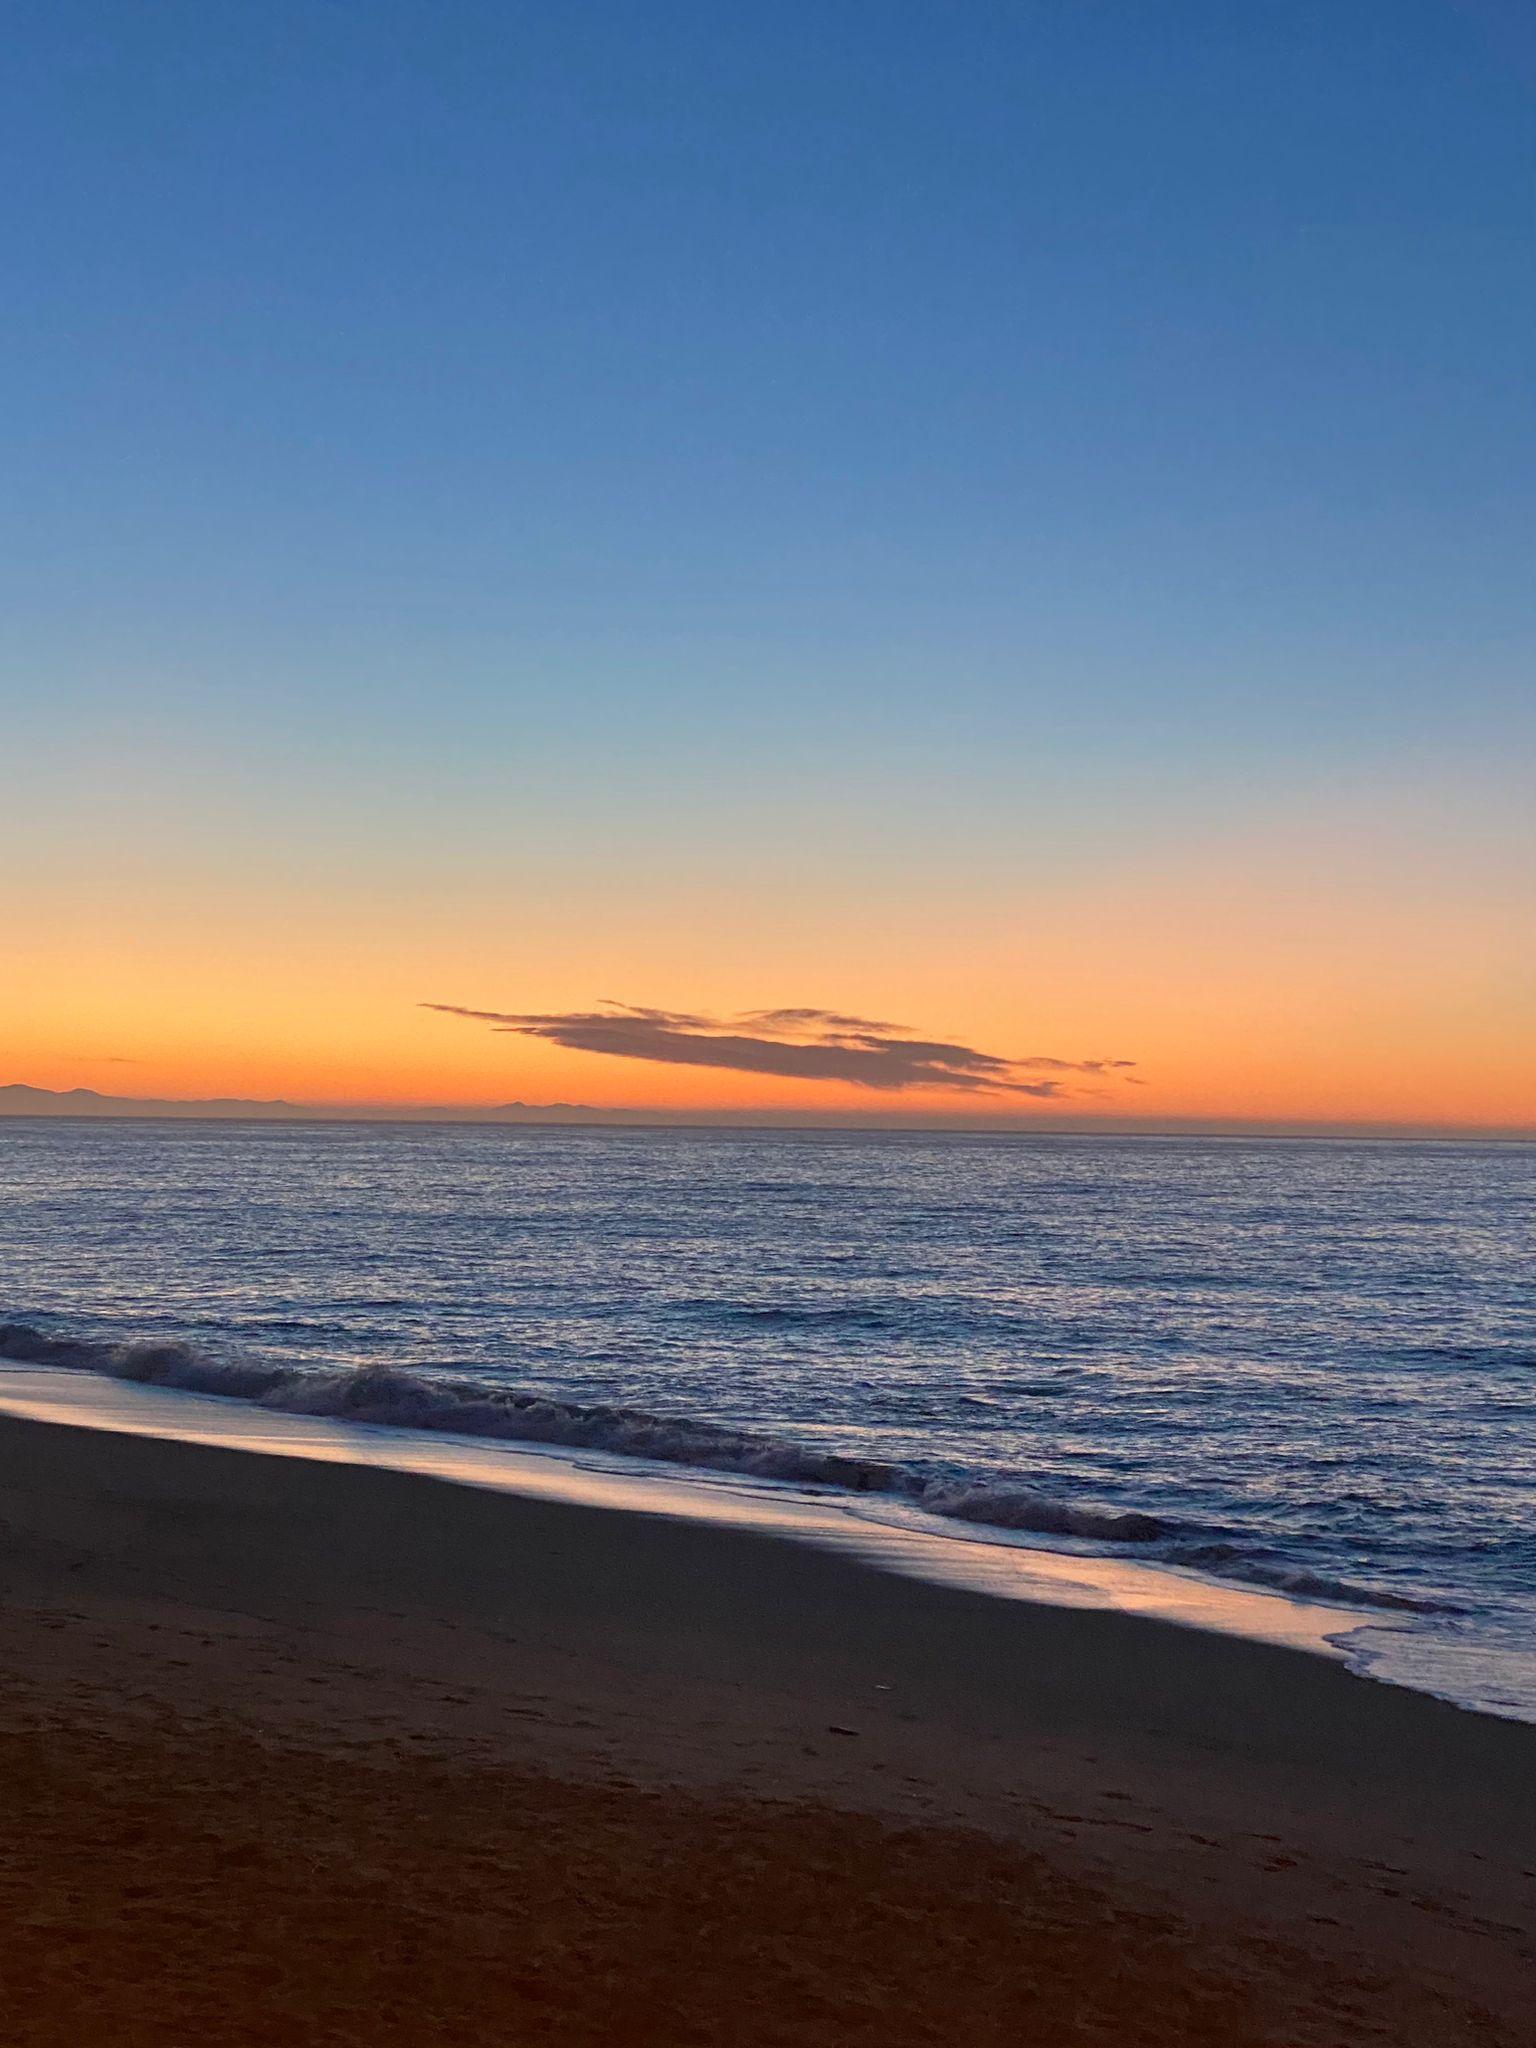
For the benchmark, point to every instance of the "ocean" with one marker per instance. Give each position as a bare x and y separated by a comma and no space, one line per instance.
1304,1367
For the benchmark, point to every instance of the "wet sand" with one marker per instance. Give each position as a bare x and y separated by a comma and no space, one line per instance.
312,1753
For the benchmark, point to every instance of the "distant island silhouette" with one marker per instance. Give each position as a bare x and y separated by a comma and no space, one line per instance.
19,1098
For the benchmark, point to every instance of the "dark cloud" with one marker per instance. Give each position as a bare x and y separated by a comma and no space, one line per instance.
799,1044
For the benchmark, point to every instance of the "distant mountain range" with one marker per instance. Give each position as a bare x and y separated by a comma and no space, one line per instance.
18,1099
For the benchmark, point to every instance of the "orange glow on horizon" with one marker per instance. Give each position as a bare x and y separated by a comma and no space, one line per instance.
1260,988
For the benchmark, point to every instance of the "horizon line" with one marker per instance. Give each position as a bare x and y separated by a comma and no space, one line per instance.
90,1104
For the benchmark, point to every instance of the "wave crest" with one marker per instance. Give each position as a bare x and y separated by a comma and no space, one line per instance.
1003,1506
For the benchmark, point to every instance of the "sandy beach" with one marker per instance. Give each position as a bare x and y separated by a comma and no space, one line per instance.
315,1753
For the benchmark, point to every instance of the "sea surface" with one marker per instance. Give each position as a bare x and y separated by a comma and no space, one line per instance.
1307,1367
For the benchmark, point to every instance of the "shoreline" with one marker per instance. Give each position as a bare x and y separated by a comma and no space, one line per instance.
1374,1641
1262,1800
884,1531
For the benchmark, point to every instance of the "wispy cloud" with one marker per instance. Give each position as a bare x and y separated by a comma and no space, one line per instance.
801,1043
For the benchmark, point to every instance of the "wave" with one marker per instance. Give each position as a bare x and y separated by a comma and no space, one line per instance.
1227,1561
393,1397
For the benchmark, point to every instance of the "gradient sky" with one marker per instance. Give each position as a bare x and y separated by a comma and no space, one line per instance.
1009,520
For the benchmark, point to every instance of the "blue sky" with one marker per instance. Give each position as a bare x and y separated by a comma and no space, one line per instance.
1077,326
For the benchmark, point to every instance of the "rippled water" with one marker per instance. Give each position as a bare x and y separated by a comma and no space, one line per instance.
1305,1365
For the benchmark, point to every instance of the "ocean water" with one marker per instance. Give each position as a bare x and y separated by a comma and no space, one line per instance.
1306,1367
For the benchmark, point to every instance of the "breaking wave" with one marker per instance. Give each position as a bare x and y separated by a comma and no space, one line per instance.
1227,1561
395,1398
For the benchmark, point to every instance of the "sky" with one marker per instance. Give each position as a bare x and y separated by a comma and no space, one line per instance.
937,559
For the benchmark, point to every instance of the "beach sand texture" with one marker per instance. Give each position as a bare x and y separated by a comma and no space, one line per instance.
310,1753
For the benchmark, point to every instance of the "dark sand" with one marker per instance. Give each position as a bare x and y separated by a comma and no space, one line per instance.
301,1754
